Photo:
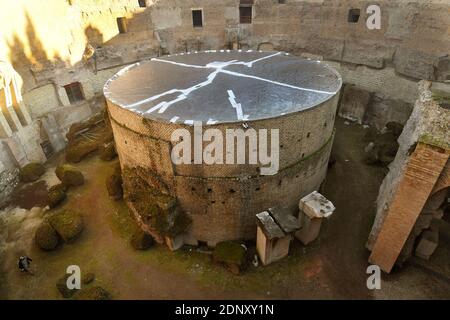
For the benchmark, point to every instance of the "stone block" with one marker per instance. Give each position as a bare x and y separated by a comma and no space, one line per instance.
435,201
427,244
190,240
310,229
313,208
382,110
415,64
369,54
315,205
271,250
354,103
423,222
274,234
443,69
330,49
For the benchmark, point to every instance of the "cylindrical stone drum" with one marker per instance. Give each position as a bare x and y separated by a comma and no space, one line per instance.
235,92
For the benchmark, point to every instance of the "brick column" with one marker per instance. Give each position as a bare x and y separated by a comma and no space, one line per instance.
423,170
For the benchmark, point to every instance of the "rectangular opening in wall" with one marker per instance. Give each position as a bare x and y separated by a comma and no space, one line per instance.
197,18
245,11
74,92
142,3
245,14
353,15
122,24
47,148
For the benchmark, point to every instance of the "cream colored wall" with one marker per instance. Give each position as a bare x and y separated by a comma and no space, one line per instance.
52,34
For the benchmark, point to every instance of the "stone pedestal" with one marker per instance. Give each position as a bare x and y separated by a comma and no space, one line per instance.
274,234
313,208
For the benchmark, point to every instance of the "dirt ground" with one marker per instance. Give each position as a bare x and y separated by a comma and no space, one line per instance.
332,267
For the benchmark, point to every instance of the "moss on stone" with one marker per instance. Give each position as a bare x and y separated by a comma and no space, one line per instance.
231,254
441,97
157,219
46,237
56,195
68,224
69,175
31,172
93,293
114,186
428,138
157,209
141,240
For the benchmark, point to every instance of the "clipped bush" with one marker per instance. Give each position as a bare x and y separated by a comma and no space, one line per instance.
46,237
68,224
69,175
56,195
31,172
230,254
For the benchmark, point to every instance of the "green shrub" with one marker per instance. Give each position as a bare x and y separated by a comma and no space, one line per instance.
31,172
68,224
46,237
69,175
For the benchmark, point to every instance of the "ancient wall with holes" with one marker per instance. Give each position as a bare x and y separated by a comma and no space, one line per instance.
222,200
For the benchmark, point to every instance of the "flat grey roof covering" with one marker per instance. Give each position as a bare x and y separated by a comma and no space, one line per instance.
222,86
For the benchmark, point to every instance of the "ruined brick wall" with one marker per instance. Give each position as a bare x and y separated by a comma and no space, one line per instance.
413,38
49,45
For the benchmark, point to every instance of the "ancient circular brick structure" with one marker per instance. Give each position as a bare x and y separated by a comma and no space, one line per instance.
224,90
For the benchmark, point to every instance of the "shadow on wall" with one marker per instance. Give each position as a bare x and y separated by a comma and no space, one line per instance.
37,66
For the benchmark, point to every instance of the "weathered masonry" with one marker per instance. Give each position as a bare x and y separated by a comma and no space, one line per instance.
225,90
